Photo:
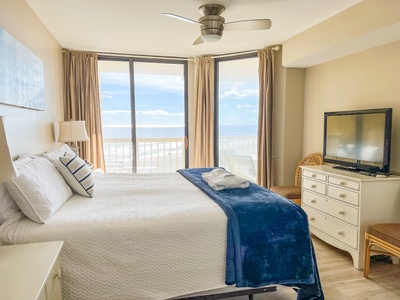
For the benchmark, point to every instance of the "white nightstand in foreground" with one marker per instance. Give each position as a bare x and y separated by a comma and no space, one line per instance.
31,271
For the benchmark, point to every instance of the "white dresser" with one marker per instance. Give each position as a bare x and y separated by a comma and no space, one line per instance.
340,204
30,271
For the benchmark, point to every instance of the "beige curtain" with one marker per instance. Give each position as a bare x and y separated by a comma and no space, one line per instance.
204,113
82,102
266,80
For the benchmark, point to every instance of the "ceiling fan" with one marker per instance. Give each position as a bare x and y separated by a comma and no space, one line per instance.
212,24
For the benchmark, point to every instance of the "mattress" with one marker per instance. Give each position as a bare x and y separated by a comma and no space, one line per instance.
142,236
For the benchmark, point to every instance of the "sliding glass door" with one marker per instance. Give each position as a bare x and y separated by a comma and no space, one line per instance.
237,117
116,117
159,116
144,115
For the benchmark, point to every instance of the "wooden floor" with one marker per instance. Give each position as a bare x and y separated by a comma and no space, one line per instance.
341,281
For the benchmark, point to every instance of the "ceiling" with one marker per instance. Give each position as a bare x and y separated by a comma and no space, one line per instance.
138,26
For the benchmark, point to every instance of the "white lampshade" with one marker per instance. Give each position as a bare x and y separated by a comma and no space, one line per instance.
72,132
7,170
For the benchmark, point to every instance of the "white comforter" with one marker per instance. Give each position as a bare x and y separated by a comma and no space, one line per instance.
142,236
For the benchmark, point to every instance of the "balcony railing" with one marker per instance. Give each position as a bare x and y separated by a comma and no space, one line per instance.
155,155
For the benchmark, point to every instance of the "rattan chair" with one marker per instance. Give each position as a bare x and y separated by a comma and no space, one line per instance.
385,236
293,192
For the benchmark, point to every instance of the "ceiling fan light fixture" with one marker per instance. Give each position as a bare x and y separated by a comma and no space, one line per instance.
211,38
211,28
211,34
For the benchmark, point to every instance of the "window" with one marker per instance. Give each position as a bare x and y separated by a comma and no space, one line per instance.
143,115
237,115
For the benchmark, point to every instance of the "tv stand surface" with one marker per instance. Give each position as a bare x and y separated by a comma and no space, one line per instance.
340,204
351,169
355,170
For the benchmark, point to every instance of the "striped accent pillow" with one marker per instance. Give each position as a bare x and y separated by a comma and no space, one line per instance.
77,174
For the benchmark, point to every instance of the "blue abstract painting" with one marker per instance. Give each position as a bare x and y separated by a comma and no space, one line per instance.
21,74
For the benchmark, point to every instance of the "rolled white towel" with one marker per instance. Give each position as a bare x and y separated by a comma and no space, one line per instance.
207,176
220,179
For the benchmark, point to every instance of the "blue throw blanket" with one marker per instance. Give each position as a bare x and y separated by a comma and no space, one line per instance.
268,238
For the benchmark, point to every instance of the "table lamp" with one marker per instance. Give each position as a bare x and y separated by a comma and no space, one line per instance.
73,132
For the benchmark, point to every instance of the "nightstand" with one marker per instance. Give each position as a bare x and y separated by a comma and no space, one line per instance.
31,271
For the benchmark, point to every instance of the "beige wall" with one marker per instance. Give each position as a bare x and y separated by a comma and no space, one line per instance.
350,61
28,130
369,79
287,122
366,25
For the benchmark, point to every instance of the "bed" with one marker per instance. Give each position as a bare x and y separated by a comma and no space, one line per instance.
142,236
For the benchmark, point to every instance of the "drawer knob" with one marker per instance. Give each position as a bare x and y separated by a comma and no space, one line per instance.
313,201
312,219
342,183
342,195
340,232
340,212
57,274
313,175
313,186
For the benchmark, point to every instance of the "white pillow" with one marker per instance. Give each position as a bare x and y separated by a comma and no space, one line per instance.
77,174
40,190
54,157
7,204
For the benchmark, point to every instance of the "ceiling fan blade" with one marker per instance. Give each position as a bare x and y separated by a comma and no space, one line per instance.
256,24
198,41
181,18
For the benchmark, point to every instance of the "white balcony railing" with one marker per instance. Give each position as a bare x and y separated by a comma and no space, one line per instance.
237,153
153,155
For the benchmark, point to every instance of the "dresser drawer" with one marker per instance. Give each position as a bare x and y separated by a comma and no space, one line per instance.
336,229
343,195
57,294
344,183
314,175
342,211
313,200
334,208
53,280
313,185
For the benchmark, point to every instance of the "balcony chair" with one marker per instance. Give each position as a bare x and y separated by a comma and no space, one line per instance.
293,192
384,236
242,165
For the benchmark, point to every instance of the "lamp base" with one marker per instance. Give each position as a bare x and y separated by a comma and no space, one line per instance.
74,147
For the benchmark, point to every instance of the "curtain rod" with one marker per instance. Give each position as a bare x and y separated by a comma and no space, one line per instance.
142,56
275,48
115,54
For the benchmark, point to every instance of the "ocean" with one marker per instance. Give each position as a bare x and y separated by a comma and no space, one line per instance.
168,156
174,132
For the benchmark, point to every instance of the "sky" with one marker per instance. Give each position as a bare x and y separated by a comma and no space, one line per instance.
160,100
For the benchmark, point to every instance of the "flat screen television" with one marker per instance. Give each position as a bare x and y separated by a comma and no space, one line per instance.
359,140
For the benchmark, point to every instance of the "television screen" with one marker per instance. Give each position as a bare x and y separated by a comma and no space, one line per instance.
359,140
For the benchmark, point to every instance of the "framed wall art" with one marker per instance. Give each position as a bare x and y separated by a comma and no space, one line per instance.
21,74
